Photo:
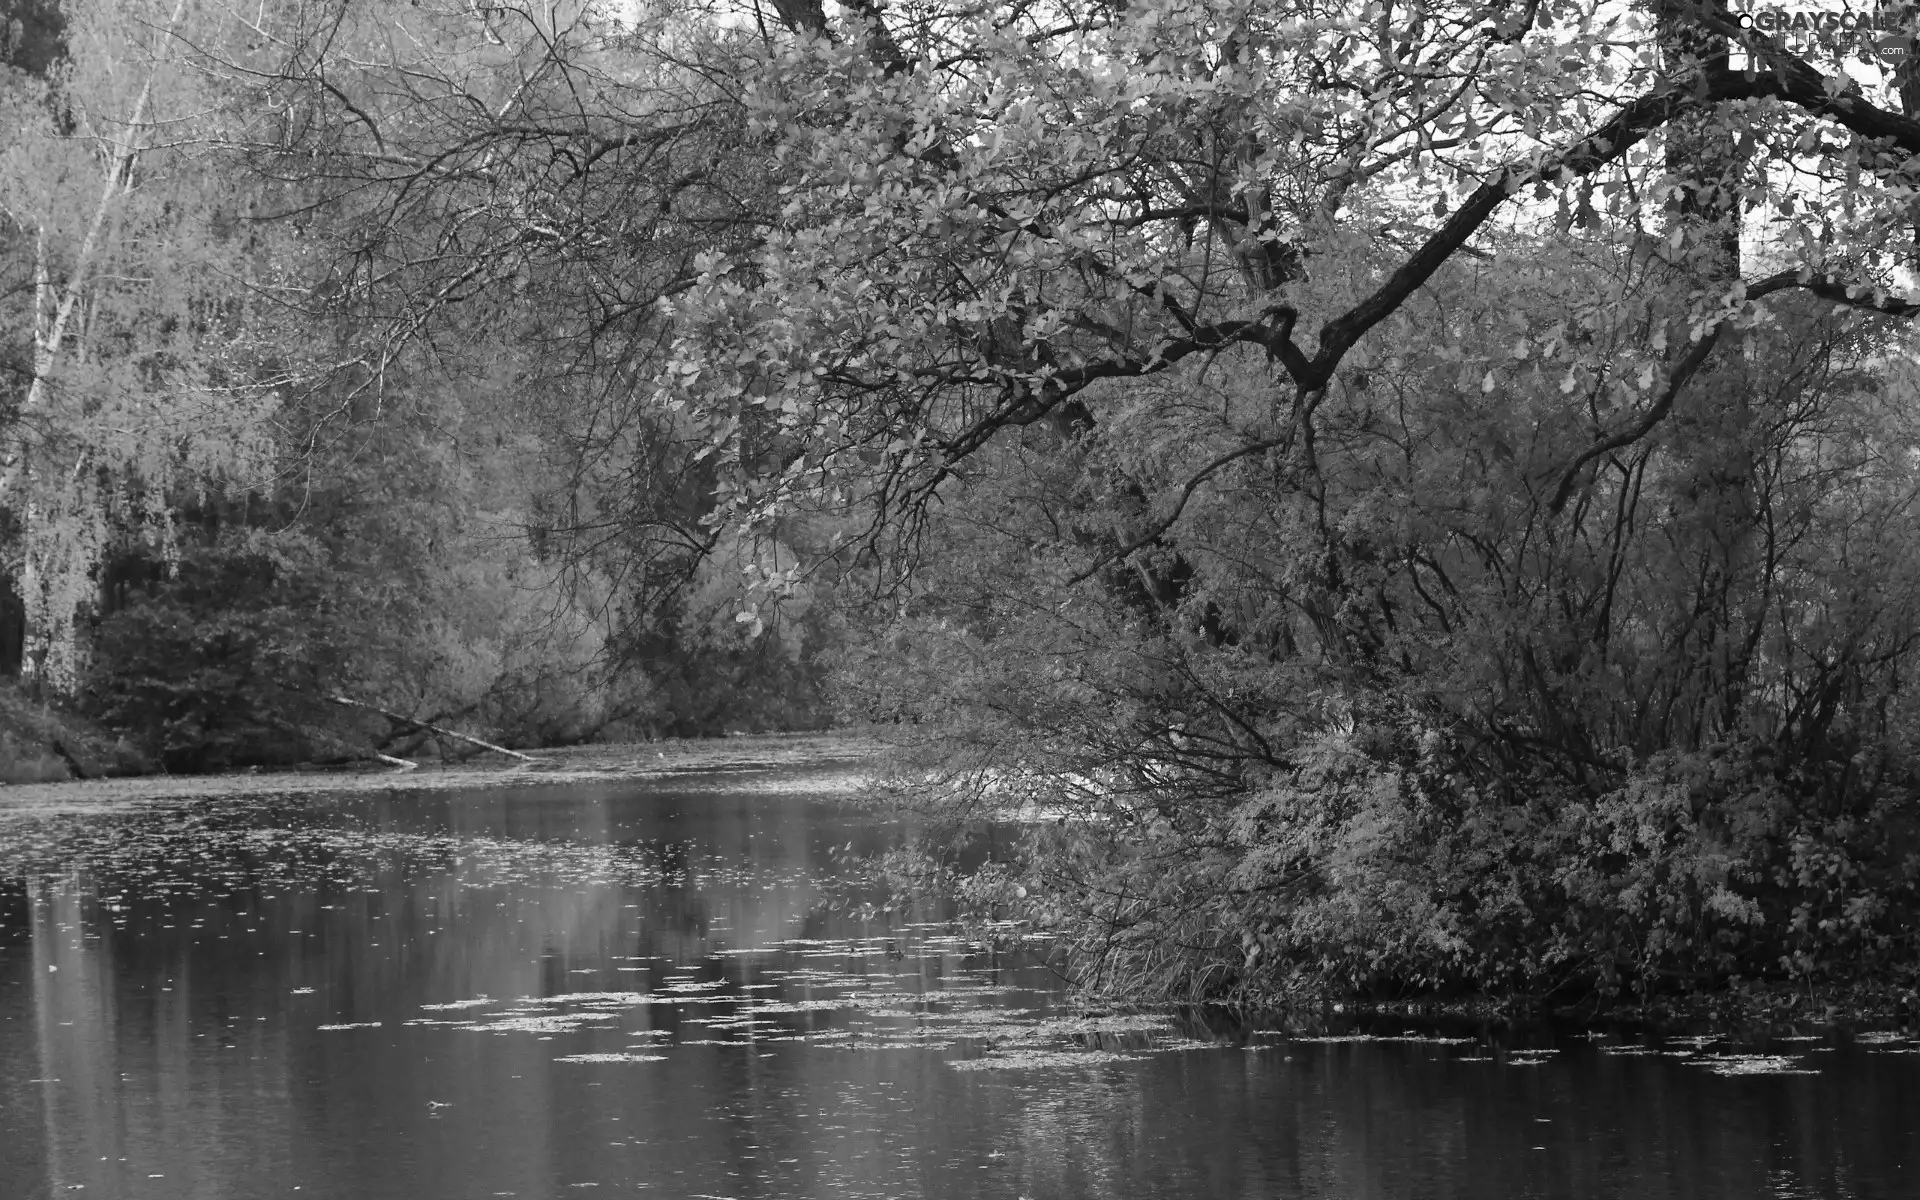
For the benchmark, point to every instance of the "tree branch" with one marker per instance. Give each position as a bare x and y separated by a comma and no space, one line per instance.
1827,287
1676,379
1626,128
1036,401
1179,505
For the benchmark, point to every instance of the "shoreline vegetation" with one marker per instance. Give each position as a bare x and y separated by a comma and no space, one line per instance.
1881,998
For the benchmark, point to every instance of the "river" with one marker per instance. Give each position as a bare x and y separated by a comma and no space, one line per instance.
645,987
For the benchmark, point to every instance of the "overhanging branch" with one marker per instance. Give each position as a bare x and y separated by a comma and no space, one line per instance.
1827,287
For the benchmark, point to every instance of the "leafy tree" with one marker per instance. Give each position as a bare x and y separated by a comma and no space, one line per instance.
143,321
388,566
521,188
185,333
233,658
1489,637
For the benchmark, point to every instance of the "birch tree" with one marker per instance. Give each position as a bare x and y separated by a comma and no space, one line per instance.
144,373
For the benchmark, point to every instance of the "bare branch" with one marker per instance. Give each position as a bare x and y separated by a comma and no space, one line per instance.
1193,483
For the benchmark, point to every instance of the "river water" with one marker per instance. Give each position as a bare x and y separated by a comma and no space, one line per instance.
646,988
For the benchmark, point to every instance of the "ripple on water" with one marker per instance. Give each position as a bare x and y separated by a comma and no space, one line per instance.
1751,1064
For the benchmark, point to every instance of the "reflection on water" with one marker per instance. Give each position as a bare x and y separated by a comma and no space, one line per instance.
641,989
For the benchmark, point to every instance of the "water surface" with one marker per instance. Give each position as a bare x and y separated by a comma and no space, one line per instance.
651,988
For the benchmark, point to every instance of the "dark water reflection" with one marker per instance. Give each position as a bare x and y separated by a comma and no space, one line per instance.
371,997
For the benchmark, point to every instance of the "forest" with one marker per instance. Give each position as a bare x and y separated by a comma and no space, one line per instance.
1420,496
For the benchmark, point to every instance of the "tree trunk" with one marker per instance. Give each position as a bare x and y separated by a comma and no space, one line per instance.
1701,150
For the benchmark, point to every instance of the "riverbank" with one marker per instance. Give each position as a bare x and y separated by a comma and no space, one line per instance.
42,744
569,764
1892,1001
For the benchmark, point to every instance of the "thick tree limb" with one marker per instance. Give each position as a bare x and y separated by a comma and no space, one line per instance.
1782,75
1036,402
1788,78
802,16
1839,291
1625,129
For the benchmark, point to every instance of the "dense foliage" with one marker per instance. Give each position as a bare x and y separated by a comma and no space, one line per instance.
386,573
1659,738
361,437
1541,624
143,322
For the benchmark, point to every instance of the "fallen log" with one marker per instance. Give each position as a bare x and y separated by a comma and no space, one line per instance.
321,738
429,725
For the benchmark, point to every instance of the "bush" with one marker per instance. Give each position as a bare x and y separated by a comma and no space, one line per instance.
230,661
1395,722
